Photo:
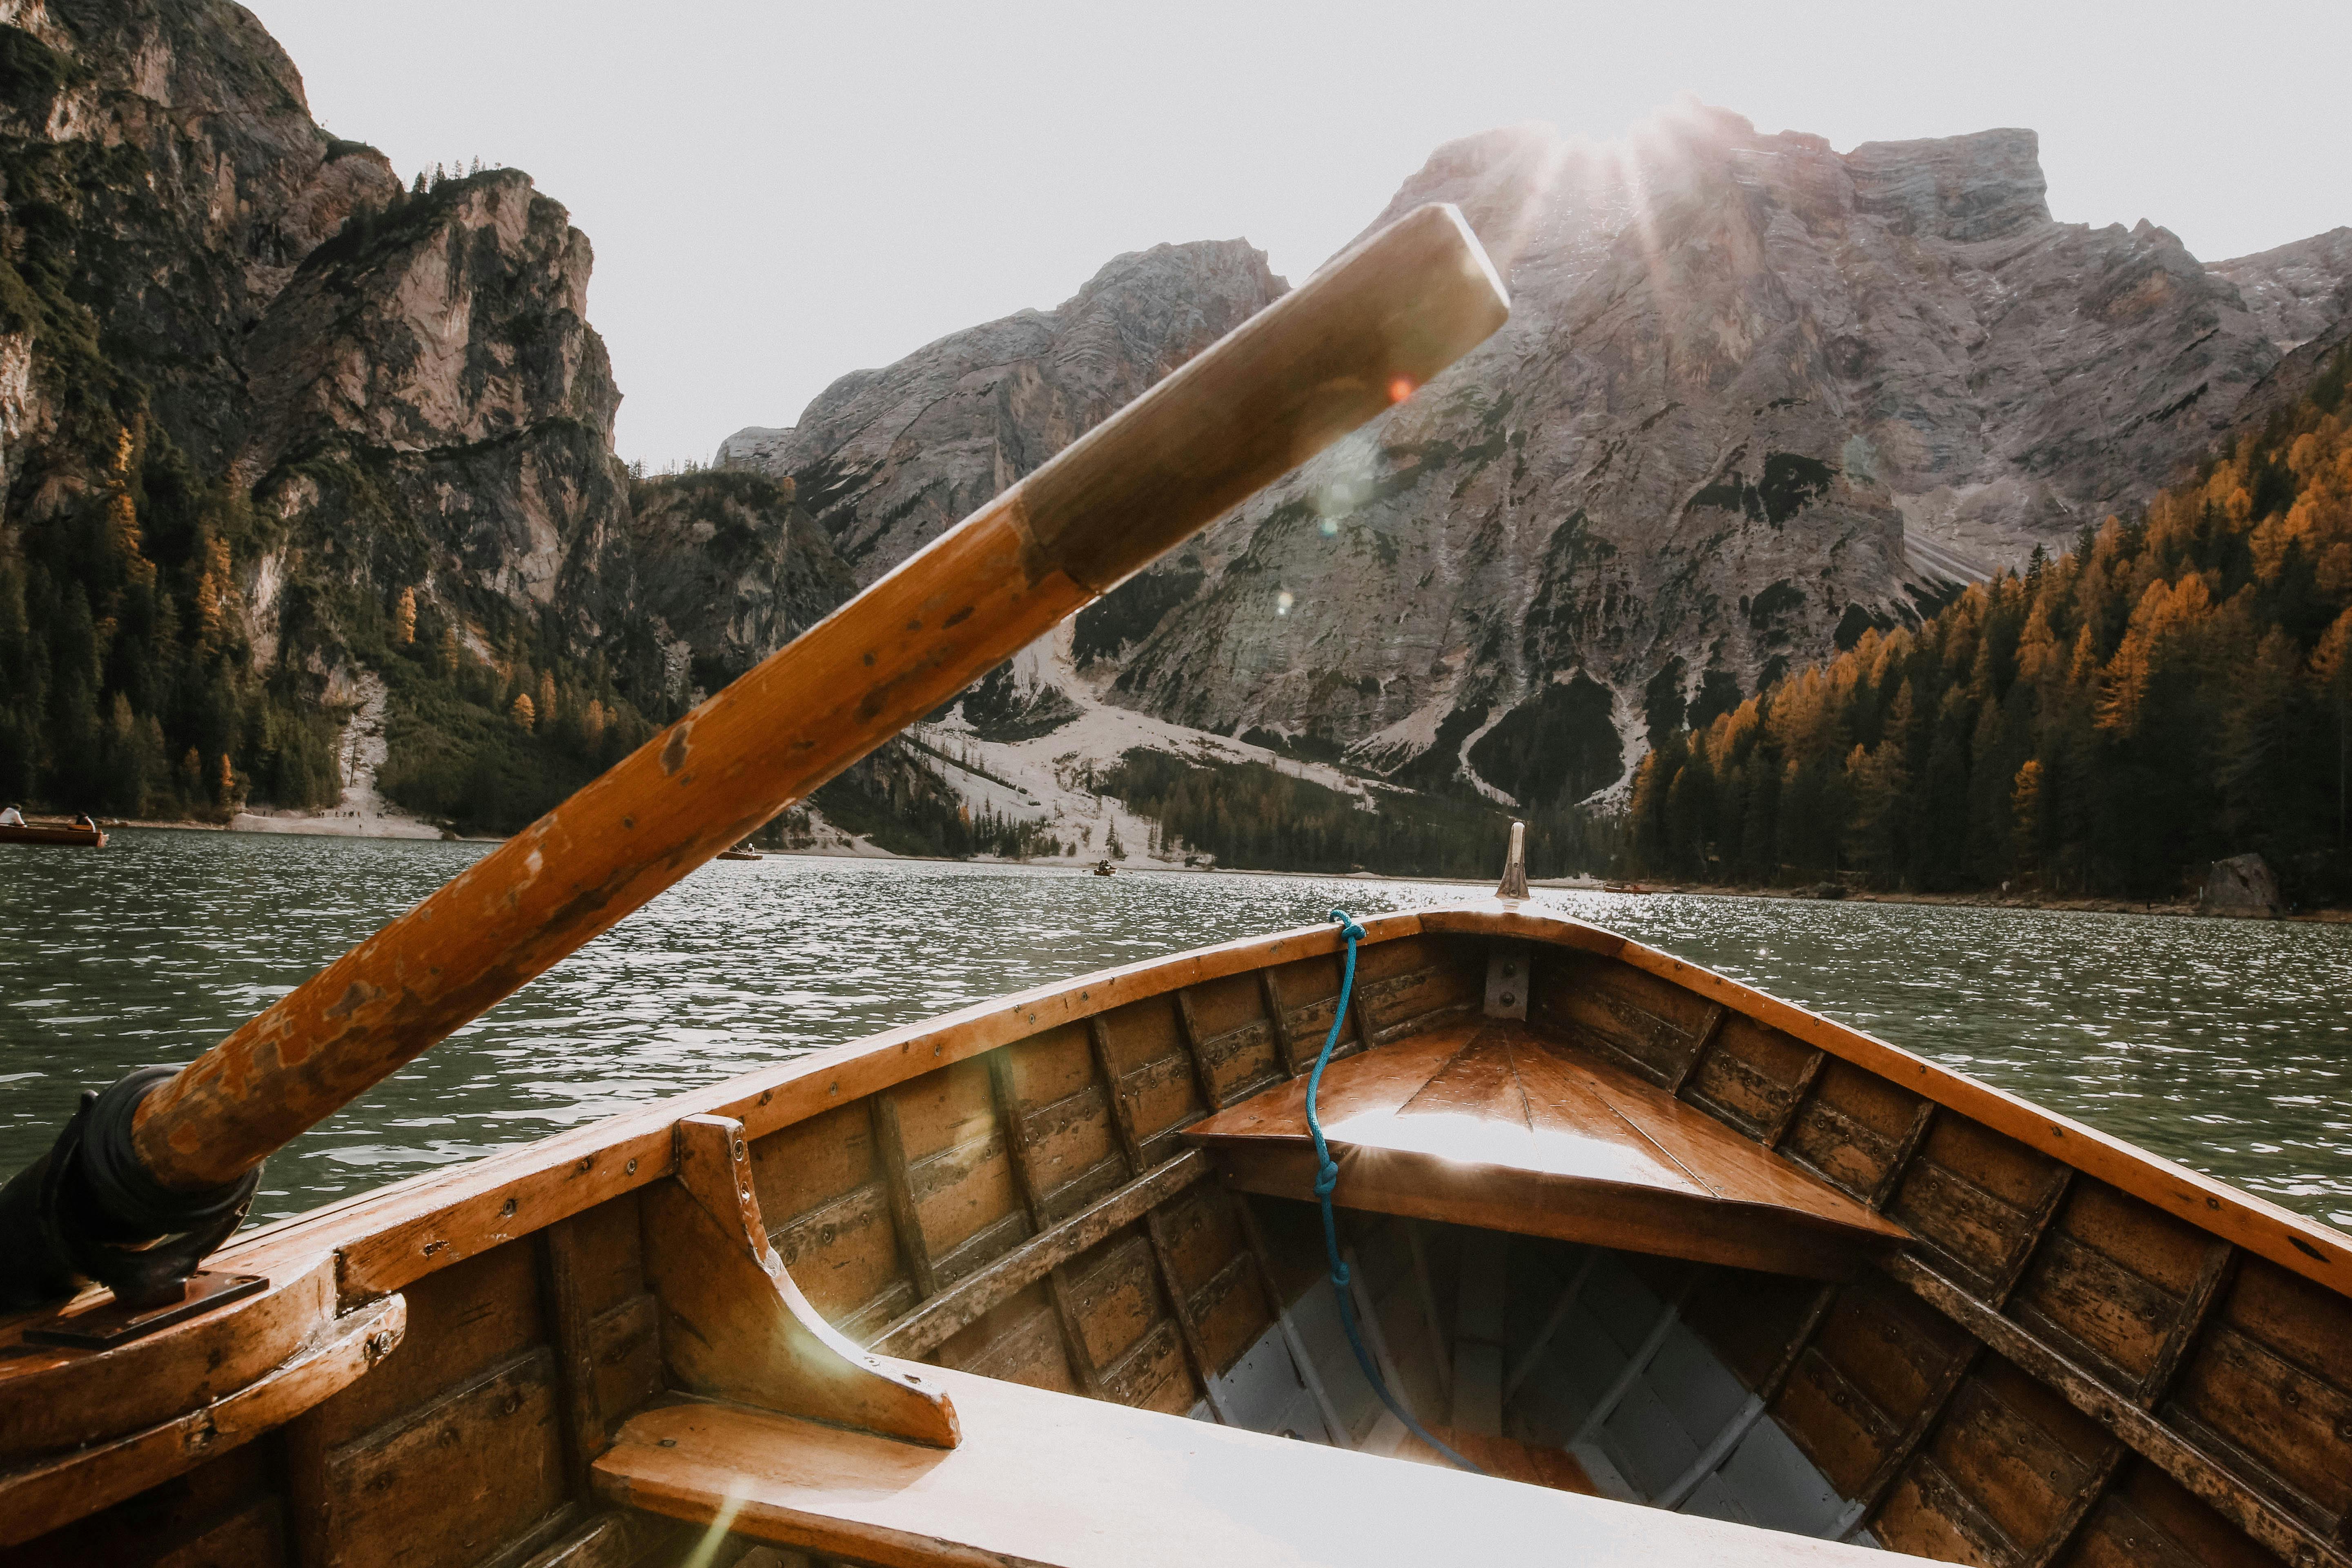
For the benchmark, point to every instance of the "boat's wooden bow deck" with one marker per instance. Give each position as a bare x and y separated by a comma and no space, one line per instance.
1493,1124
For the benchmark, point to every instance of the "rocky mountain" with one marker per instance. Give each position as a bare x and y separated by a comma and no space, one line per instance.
887,460
1755,397
284,438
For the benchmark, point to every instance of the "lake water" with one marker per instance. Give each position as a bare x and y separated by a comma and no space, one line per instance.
2225,1044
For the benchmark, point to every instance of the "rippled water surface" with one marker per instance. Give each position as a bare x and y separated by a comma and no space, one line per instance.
2224,1045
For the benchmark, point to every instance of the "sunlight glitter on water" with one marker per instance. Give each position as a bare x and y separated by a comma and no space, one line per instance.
2222,1043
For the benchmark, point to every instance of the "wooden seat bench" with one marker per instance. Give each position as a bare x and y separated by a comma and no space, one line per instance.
1499,1126
1054,1479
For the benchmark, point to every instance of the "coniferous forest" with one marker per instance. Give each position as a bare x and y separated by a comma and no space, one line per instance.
2173,689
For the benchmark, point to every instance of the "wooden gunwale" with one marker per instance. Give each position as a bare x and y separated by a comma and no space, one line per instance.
68,1486
389,1238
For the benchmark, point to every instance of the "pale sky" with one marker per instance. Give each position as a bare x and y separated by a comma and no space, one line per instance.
781,193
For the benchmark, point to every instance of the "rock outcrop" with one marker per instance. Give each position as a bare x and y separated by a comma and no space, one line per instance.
432,410
2299,292
1756,397
887,460
730,569
2241,886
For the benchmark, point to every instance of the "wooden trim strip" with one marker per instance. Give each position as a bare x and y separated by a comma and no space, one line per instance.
1808,1078
1711,1458
1254,1243
2080,1506
1439,1349
1906,1149
2220,1265
1759,1400
1114,1088
890,1151
1009,1117
2037,1230
1716,1013
1188,1034
1889,1469
1180,1305
1277,1018
573,1333
1074,1333
923,1330
1368,1317
2275,1530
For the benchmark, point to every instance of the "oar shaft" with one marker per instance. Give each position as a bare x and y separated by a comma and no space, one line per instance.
1315,366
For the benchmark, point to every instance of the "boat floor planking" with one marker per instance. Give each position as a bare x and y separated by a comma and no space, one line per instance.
2077,1354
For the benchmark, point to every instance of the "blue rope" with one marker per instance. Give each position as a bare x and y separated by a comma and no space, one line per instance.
1326,1179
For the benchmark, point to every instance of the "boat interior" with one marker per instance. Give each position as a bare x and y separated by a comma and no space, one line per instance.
1046,1281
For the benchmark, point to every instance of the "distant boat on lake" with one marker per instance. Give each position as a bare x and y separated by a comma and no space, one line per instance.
90,837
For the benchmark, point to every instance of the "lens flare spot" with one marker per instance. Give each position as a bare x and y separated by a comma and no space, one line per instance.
1399,389
1330,526
1282,603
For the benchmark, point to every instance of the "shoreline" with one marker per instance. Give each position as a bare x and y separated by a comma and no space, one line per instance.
2178,908
2175,908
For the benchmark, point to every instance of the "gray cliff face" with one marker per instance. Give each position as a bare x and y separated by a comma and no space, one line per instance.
1755,397
730,569
402,387
174,138
434,411
887,460
2299,292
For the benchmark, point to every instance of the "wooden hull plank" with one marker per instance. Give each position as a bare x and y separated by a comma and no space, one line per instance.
1044,1479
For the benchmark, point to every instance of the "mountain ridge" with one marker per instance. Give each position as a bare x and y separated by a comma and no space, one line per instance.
1756,397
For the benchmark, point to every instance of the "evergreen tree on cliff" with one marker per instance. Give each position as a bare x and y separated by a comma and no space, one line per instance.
2174,689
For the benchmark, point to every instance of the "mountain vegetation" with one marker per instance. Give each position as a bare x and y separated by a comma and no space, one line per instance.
1253,815
126,685
2175,687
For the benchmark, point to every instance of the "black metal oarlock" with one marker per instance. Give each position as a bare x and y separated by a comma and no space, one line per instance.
88,1213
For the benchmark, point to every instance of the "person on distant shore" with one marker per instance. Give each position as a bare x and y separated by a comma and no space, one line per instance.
11,818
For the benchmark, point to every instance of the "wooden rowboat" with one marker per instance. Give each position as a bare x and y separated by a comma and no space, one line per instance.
53,833
1692,1274
1637,1233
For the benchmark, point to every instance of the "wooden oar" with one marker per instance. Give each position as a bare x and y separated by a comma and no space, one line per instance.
1359,335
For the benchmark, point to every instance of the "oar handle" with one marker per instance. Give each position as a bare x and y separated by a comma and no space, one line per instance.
1360,334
